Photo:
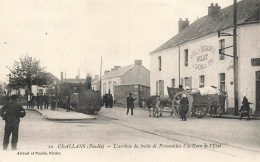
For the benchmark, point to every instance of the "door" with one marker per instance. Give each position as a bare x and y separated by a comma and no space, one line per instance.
258,91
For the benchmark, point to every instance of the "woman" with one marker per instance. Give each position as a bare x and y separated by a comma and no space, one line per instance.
184,107
244,111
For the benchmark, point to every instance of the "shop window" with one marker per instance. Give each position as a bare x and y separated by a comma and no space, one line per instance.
160,63
202,81
173,83
222,81
221,46
186,57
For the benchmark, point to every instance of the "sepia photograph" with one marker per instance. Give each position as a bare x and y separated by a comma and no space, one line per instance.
130,80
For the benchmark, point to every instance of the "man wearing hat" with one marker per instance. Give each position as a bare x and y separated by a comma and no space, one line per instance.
130,103
11,113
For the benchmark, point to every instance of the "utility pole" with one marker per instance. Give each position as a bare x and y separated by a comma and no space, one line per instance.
235,58
100,77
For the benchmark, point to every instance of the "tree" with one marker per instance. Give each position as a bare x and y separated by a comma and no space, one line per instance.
3,88
26,72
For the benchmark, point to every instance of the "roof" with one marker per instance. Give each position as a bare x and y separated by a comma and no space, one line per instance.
74,81
247,10
55,79
95,81
118,72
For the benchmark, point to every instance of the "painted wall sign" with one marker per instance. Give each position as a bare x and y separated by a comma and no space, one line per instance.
255,61
203,58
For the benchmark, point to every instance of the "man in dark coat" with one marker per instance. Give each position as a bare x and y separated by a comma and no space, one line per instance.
11,113
38,101
245,108
41,100
184,107
46,101
32,101
130,103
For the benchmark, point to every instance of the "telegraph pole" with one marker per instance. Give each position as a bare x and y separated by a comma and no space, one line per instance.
100,76
235,58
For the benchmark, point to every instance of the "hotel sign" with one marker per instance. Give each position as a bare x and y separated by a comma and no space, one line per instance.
203,58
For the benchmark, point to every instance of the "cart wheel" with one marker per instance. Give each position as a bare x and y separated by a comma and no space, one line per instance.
176,103
200,111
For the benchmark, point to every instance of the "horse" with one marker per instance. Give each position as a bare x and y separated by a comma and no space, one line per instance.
153,102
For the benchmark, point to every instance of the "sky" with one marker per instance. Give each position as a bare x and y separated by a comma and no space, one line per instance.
73,35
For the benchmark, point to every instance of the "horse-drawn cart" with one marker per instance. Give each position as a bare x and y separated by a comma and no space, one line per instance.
199,105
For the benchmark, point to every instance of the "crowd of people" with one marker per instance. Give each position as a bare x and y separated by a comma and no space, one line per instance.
42,101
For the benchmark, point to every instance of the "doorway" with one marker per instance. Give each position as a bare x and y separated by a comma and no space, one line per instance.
257,110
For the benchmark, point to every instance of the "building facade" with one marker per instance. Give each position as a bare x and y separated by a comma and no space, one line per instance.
95,83
195,55
131,74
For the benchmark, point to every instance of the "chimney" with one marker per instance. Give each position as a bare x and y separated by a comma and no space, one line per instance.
212,10
107,71
61,77
116,67
112,69
183,24
138,62
77,77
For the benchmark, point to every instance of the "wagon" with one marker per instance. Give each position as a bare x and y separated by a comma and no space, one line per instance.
199,105
217,107
88,102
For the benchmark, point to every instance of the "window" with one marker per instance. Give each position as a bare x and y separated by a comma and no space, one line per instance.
202,81
222,81
173,83
221,46
157,87
160,63
186,59
104,88
109,85
188,82
114,84
161,87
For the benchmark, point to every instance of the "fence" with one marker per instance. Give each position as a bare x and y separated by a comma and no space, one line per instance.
140,92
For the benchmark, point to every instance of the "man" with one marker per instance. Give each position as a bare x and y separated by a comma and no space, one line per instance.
46,101
68,103
130,103
28,98
11,113
41,100
38,101
32,101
